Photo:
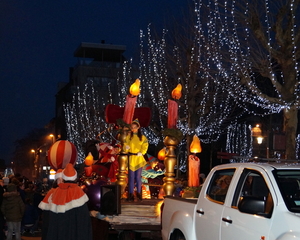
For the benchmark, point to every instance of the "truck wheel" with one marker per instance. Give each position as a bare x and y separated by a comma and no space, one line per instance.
177,235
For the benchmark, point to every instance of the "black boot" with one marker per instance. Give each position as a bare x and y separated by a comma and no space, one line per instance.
139,197
130,198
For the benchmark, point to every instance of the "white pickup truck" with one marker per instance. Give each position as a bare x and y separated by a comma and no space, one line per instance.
248,201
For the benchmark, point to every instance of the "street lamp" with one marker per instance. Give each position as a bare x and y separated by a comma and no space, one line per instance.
259,141
31,162
53,138
33,153
256,131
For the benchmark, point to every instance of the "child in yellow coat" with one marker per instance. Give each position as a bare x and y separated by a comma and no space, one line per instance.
136,145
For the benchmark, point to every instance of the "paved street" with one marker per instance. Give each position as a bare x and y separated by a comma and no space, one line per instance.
29,236
143,236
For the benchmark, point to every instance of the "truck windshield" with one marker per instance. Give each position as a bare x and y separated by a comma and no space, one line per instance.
289,185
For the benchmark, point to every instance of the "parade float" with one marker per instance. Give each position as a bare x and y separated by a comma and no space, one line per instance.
104,170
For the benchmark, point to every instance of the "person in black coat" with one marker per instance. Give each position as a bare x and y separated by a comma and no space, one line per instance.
68,214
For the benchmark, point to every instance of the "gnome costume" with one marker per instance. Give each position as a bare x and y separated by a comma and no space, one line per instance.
68,214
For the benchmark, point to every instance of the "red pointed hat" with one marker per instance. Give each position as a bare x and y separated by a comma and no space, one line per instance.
69,173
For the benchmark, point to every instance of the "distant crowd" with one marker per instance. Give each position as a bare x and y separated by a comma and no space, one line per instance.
19,200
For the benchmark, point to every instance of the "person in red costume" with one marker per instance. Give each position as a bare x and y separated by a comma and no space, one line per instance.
45,214
69,217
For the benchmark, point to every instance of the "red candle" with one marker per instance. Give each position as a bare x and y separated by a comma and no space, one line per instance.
172,113
129,109
131,101
173,107
88,171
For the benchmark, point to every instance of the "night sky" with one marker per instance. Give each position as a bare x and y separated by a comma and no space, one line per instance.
37,43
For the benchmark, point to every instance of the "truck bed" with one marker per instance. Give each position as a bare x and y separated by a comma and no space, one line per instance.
179,210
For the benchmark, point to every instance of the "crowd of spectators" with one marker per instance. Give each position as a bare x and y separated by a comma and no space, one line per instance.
19,200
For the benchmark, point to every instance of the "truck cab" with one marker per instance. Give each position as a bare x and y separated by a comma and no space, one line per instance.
249,201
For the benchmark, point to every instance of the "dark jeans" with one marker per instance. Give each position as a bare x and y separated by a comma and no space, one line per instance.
135,176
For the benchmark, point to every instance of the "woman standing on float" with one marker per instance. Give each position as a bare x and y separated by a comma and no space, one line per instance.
136,145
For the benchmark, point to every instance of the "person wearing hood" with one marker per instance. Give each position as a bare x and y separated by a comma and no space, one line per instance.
69,217
13,209
45,203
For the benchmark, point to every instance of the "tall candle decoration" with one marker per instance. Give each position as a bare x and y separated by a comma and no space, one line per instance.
194,162
173,107
171,142
131,98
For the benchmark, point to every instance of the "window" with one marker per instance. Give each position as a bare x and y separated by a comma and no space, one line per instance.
252,194
289,184
219,185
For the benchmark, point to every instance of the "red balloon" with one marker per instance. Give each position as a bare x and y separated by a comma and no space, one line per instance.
61,153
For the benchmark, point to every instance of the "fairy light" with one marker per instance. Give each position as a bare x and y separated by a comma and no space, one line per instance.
223,51
240,59
297,146
239,140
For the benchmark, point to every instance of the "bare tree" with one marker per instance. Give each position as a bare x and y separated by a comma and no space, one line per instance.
251,49
204,109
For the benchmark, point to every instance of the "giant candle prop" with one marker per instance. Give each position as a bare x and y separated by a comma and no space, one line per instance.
194,162
131,101
173,107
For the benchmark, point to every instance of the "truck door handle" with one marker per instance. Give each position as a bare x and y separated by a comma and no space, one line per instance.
200,211
227,220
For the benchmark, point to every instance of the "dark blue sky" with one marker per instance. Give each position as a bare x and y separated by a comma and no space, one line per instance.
37,42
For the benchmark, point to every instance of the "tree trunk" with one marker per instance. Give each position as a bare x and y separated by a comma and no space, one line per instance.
290,124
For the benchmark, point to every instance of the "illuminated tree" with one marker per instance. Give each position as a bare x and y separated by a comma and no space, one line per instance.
85,114
236,56
205,109
251,49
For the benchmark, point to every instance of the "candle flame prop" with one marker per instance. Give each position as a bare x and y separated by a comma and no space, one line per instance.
89,159
195,146
162,154
135,88
176,93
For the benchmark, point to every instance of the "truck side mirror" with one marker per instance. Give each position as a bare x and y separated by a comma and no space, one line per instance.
252,205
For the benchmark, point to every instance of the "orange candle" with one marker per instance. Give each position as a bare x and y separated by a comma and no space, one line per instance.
194,170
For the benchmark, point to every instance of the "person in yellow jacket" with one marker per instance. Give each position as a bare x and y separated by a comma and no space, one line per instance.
136,145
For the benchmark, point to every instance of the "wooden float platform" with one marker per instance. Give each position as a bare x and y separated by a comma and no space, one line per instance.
143,215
